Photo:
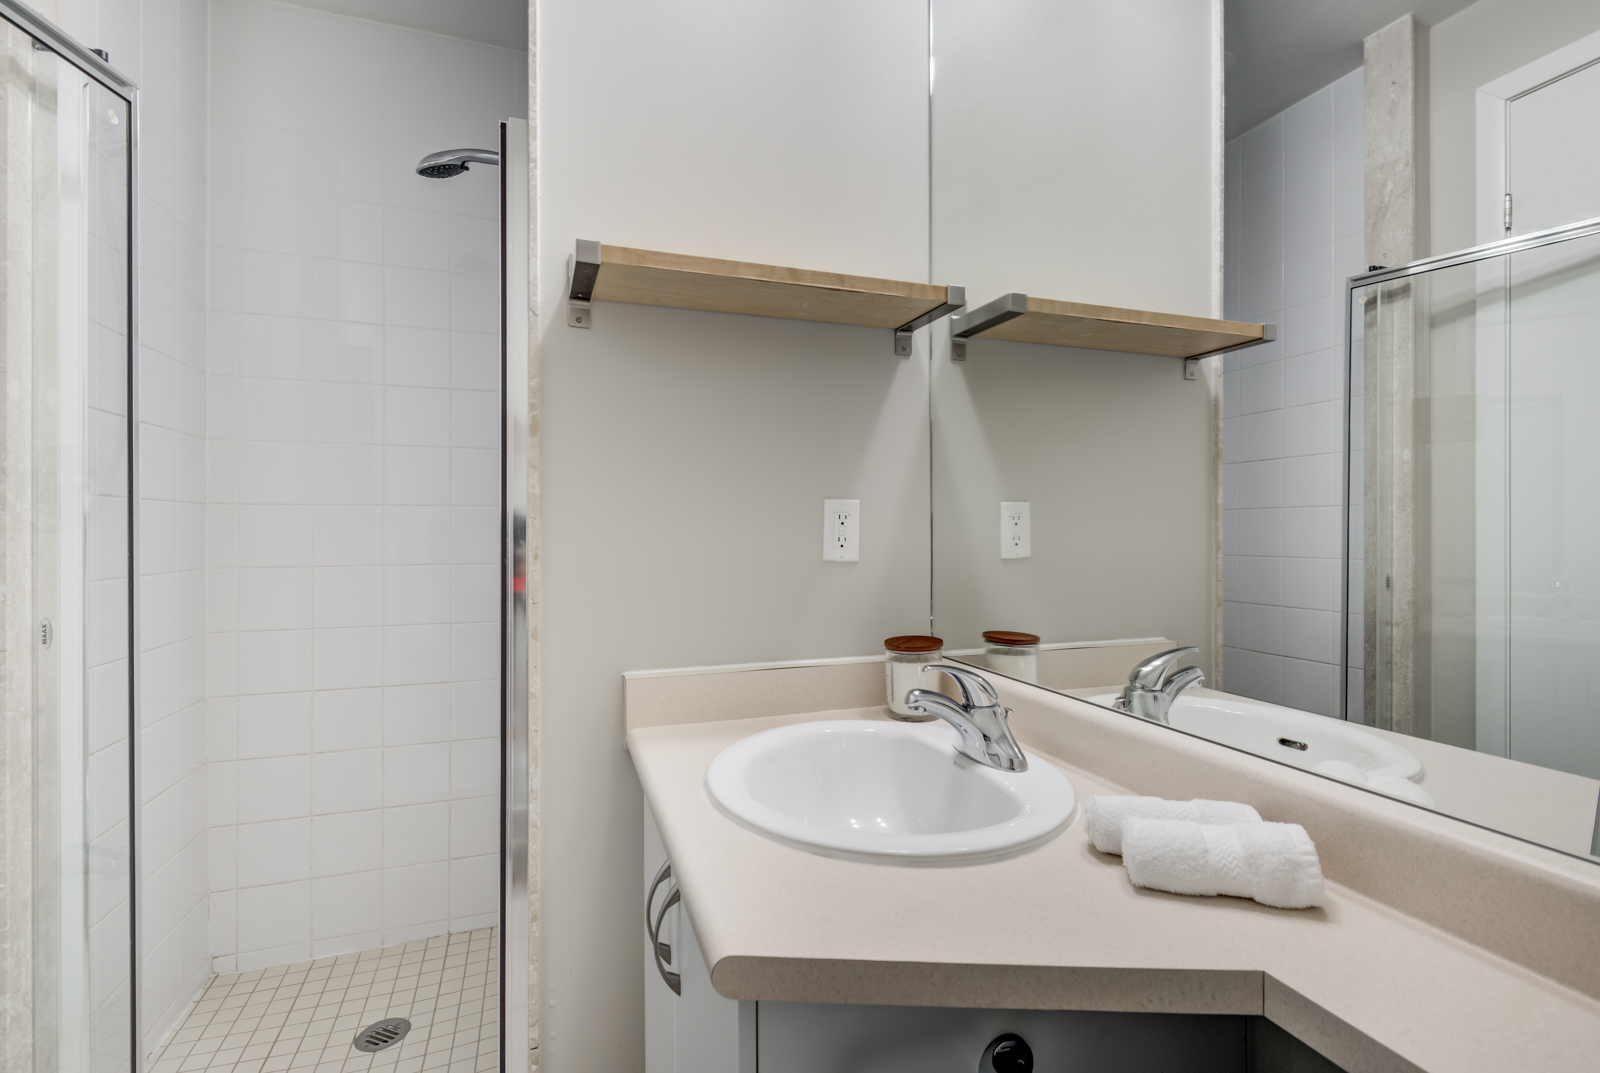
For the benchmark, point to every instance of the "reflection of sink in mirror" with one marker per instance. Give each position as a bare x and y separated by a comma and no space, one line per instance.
893,793
1314,742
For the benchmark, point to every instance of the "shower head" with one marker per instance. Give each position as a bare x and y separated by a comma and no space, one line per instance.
453,162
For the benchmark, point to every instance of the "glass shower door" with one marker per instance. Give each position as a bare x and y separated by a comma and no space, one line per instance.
1482,482
66,329
1552,508
1475,501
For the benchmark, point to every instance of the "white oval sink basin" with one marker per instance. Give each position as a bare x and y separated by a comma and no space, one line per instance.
887,792
1287,734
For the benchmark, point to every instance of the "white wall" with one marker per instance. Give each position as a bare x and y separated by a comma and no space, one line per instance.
354,484
1294,232
686,454
161,45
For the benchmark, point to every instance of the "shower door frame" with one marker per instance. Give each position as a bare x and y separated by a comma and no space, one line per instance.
515,636
91,64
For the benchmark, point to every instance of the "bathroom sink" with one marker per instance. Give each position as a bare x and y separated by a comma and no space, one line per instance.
895,793
1288,734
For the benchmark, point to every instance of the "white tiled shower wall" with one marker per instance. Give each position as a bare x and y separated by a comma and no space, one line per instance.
162,46
354,485
1294,231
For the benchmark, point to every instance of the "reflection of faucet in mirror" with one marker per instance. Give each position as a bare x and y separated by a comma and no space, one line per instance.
977,717
1147,695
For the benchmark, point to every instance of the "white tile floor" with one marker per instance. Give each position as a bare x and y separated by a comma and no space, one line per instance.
305,1016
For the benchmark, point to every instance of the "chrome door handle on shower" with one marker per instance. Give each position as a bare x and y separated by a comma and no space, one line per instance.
661,951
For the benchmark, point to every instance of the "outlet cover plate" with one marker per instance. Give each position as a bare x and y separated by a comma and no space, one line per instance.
841,530
1016,531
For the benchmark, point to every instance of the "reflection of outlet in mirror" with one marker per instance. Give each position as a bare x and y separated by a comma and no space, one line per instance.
841,530
1016,531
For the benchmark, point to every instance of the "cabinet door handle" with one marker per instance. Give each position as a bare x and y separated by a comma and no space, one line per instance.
662,951
662,875
673,980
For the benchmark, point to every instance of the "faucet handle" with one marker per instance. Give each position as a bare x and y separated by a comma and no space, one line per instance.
976,692
1148,674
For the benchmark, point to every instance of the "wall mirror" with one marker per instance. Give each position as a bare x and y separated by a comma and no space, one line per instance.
1077,515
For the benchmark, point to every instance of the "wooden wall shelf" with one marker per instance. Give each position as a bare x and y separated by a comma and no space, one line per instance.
646,277
1025,319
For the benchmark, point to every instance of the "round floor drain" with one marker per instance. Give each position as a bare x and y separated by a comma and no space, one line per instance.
383,1034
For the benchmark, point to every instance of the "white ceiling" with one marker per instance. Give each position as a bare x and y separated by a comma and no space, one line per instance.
493,22
1281,51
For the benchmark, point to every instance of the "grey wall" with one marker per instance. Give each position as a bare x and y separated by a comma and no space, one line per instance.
1039,182
685,454
1489,39
1113,451
1036,189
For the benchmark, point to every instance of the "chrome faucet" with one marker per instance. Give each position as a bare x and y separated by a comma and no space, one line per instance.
1148,696
978,718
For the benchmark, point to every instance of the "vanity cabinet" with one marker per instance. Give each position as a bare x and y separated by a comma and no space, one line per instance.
692,1029
689,1028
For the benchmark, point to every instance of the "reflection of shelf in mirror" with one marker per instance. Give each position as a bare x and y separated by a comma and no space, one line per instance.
646,277
1025,319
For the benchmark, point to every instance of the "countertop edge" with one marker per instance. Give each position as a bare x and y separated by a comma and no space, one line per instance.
989,986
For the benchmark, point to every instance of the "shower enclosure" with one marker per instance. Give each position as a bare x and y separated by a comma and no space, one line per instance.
1473,594
67,894
366,571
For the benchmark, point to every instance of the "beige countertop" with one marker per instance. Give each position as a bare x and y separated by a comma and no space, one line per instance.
1540,804
1368,985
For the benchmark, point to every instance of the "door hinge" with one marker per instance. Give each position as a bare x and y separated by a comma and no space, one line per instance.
1508,212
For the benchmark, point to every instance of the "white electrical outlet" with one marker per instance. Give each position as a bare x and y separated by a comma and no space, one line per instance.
841,530
1016,531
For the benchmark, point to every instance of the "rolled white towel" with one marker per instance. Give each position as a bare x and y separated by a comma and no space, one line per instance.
1104,816
1274,863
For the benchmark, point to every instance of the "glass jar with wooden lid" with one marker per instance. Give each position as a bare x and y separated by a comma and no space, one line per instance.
1015,655
903,660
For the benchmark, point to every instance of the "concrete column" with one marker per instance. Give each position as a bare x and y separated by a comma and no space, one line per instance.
1396,87
1396,183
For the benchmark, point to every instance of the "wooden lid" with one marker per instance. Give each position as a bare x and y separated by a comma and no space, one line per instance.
1007,637
913,643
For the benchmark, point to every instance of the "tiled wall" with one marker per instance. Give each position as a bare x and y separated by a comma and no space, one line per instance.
1294,232
162,45
354,485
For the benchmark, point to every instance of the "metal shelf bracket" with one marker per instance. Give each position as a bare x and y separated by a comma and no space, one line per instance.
954,299
582,270
964,326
